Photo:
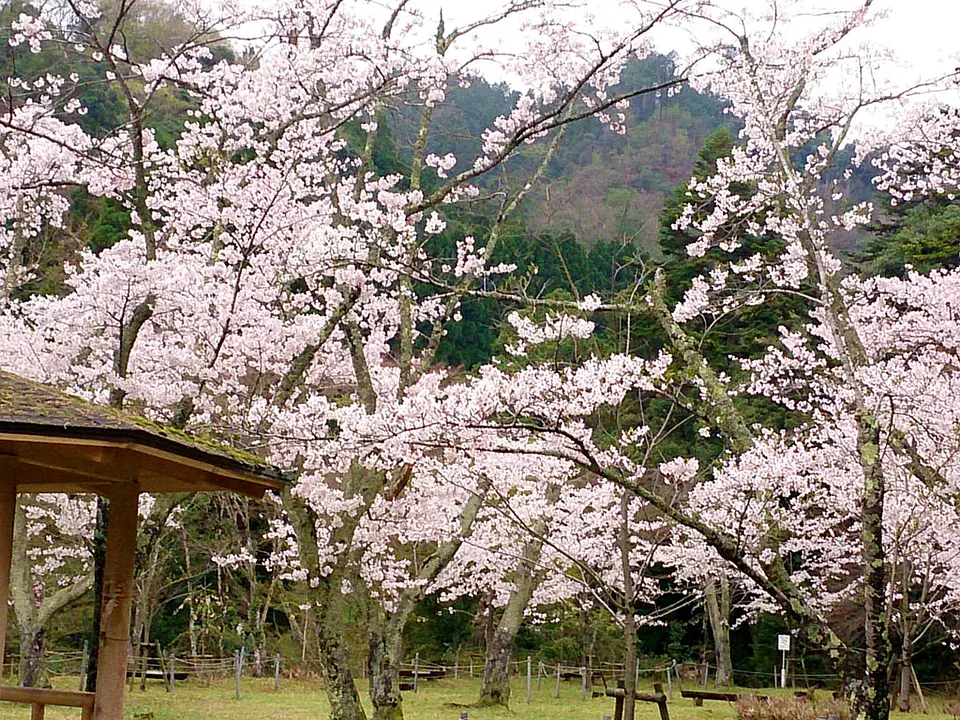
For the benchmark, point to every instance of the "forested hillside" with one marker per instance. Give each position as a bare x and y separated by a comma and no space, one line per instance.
630,363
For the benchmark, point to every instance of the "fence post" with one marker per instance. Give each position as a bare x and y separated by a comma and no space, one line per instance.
529,678
83,665
276,673
556,695
669,682
237,660
416,672
471,667
456,667
540,672
173,678
583,682
706,673
164,676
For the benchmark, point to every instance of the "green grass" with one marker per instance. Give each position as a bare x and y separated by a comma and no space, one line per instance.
305,700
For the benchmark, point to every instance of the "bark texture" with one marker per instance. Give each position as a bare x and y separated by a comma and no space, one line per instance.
495,688
716,594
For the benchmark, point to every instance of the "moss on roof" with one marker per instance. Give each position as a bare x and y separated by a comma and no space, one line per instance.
35,407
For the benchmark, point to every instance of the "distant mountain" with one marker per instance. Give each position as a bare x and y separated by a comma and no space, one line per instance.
601,186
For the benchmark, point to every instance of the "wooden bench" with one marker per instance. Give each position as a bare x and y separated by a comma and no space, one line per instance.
596,678
39,698
159,674
698,696
421,675
424,674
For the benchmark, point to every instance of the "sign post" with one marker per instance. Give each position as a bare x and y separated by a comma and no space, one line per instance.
783,645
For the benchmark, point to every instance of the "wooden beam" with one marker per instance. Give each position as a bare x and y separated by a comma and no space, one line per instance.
44,696
117,601
32,479
8,504
93,460
160,472
96,463
221,478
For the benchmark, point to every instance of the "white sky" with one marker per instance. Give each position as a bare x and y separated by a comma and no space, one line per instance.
925,34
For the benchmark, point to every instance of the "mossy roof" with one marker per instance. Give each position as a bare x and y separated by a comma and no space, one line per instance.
31,408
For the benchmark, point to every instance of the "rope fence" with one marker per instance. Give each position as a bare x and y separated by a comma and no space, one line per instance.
540,676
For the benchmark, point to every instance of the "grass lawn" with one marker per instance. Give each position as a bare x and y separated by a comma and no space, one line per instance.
305,700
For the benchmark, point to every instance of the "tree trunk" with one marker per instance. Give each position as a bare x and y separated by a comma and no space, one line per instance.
32,656
906,649
717,599
386,641
99,550
872,699
628,610
191,605
333,652
338,679
495,689
384,666
906,681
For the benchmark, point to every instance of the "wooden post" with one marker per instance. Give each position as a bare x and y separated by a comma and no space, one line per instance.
456,667
471,667
236,673
916,685
8,506
661,701
529,678
583,683
540,672
83,665
416,672
706,673
618,705
276,673
117,599
172,668
36,711
164,677
669,682
556,694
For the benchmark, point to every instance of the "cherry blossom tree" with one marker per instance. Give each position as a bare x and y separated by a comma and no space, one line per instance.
270,266
51,568
854,381
280,291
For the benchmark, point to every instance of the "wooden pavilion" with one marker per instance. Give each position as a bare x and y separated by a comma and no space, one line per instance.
53,442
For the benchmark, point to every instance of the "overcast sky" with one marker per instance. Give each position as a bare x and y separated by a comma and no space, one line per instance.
925,34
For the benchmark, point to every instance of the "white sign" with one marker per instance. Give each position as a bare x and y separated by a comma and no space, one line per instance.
783,643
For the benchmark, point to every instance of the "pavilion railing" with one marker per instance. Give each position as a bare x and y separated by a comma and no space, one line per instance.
39,698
